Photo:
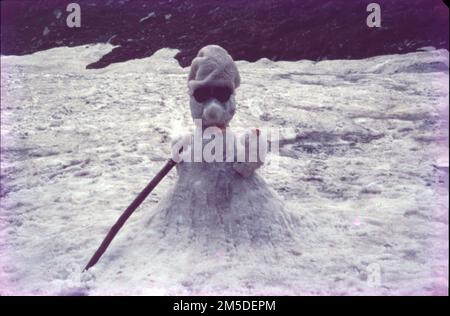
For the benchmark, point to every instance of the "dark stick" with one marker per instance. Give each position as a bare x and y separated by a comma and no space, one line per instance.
133,206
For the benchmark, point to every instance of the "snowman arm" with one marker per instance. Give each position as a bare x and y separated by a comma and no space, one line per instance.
247,168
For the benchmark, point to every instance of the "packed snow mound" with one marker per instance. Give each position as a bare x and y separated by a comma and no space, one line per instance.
75,60
72,59
429,61
363,168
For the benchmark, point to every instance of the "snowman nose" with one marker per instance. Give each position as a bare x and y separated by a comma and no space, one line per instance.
213,110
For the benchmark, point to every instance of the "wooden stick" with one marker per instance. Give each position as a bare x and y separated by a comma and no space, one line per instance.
125,215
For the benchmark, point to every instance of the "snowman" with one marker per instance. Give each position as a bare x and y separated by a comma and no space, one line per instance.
219,203
220,228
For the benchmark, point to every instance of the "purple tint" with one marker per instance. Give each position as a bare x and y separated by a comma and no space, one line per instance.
249,30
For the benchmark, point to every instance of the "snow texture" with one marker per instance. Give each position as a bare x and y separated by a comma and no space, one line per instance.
363,171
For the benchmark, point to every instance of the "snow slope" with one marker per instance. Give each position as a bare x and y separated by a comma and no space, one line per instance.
363,161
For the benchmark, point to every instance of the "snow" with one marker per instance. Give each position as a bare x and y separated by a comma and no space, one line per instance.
363,165
148,16
57,13
45,31
427,48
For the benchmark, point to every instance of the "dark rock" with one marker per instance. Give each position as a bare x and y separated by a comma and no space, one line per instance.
249,30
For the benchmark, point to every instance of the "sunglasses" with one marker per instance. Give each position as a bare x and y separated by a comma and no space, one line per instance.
219,93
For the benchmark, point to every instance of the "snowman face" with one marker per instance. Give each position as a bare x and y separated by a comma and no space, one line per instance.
214,105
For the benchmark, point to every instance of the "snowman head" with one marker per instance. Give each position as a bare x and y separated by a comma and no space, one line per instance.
212,81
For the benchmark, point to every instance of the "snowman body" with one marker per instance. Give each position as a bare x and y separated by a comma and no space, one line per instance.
214,205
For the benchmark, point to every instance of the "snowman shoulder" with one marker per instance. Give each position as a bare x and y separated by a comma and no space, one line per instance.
183,139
